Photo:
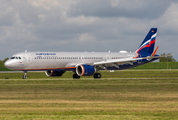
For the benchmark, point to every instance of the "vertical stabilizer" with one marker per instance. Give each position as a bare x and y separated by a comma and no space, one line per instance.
147,46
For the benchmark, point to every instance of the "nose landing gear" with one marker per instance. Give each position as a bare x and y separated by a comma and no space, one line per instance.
25,75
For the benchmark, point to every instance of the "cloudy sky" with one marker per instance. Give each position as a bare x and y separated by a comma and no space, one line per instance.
86,25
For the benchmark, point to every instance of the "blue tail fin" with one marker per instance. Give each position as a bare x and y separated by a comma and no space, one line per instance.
147,46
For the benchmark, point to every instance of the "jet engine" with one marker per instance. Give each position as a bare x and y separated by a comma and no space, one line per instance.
85,70
54,72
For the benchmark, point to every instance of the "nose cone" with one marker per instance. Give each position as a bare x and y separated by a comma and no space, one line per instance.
10,64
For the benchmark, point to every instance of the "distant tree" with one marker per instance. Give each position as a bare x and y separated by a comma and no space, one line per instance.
167,58
1,63
5,60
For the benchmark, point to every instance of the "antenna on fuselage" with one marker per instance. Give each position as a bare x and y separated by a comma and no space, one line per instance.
25,50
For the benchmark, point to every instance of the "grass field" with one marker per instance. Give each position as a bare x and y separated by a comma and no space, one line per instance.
120,95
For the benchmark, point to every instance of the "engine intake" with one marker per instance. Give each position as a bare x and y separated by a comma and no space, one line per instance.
50,73
85,70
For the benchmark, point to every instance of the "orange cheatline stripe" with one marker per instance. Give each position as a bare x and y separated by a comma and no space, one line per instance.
155,51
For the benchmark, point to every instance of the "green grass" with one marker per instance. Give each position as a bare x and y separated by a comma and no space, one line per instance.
120,95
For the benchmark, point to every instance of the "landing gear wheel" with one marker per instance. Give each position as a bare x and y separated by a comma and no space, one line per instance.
25,75
97,75
75,76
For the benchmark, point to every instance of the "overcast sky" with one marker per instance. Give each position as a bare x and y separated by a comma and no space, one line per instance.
86,25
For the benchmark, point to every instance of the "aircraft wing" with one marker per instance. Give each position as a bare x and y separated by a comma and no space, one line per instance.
115,62
107,63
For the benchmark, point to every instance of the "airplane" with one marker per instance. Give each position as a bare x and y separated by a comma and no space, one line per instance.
84,63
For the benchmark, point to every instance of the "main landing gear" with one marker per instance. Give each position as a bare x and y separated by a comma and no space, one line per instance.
25,75
97,75
75,76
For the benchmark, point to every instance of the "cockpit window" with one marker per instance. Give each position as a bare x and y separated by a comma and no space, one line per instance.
14,57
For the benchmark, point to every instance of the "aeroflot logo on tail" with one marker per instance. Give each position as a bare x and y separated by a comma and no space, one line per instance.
45,53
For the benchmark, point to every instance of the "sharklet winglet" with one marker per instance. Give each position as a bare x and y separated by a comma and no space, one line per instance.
155,51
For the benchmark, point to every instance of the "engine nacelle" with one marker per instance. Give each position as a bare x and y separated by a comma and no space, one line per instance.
85,70
50,73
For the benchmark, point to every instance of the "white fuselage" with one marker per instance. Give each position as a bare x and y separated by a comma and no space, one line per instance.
28,61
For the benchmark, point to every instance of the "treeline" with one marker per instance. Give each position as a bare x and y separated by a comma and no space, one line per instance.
158,65
2,67
168,58
3,61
